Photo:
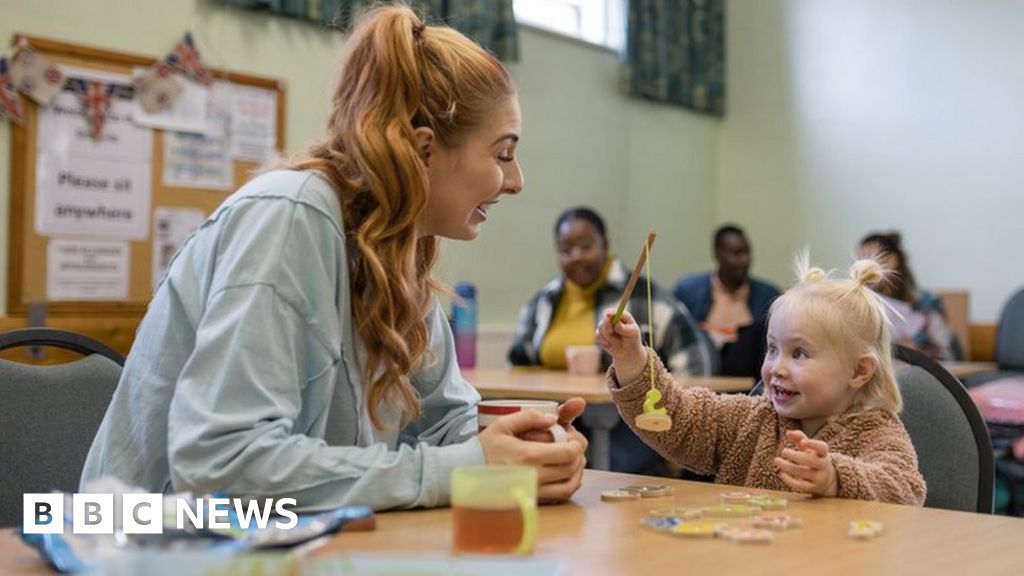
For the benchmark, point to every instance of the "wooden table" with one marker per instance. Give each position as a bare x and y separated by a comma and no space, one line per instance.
597,538
600,416
964,369
539,384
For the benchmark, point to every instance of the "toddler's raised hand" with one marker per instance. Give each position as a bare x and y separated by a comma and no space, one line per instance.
622,341
807,469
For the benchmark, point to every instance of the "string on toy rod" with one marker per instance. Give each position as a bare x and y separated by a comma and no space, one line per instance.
650,312
653,419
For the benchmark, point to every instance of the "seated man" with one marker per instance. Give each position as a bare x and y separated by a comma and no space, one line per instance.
731,306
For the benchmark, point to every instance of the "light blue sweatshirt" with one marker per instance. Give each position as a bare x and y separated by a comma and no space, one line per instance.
244,375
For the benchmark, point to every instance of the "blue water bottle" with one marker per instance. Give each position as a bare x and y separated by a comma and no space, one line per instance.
464,324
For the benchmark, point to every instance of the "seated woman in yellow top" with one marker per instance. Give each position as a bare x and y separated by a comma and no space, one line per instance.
565,312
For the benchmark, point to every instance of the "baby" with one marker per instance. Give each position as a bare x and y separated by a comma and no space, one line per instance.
827,422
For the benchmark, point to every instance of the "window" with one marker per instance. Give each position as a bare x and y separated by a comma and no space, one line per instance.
601,22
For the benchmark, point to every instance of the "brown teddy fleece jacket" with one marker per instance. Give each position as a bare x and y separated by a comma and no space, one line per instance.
736,437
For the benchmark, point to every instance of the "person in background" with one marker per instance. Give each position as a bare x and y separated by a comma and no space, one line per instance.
296,346
566,310
921,320
827,423
730,305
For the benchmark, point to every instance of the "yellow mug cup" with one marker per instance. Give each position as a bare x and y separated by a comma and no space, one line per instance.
494,509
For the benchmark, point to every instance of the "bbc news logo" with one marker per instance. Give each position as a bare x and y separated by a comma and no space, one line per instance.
144,513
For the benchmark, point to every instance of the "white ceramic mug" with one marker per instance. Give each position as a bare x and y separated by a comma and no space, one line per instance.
490,410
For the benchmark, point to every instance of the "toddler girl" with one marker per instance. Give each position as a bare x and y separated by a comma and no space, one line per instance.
827,422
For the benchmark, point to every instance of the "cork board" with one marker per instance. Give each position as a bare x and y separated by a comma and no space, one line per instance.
27,269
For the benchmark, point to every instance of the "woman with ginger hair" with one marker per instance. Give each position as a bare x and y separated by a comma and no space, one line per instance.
296,347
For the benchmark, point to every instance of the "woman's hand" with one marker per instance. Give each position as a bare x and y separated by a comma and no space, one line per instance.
568,412
559,465
807,469
553,492
622,341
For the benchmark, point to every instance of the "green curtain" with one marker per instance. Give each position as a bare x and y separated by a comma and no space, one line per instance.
675,53
489,22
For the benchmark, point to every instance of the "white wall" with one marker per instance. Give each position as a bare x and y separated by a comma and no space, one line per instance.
851,116
583,141
640,165
842,117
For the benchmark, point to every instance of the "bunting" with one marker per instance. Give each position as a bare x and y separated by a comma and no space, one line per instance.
29,72
96,101
35,76
10,102
157,90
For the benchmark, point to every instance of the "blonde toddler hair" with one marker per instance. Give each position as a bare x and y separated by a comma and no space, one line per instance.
854,319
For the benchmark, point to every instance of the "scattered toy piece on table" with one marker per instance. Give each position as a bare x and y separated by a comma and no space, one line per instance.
696,529
651,490
777,522
734,497
864,529
766,502
731,510
661,523
678,512
743,535
619,496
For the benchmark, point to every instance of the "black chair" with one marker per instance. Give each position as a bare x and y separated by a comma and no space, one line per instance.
50,414
954,451
1009,343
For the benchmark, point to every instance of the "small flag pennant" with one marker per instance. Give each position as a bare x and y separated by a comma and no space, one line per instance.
96,101
185,59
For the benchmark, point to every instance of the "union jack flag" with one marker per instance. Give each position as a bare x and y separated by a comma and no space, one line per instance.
96,101
10,102
185,59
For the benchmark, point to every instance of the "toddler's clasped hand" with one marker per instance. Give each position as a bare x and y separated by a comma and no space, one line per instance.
808,468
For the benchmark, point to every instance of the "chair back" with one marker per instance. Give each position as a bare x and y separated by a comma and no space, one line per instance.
50,415
954,452
706,350
1010,334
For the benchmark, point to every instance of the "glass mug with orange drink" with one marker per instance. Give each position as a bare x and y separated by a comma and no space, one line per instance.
494,509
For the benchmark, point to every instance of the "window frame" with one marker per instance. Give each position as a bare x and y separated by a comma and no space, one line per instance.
608,7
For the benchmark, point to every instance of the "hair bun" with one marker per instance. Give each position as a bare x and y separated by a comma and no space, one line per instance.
867,272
